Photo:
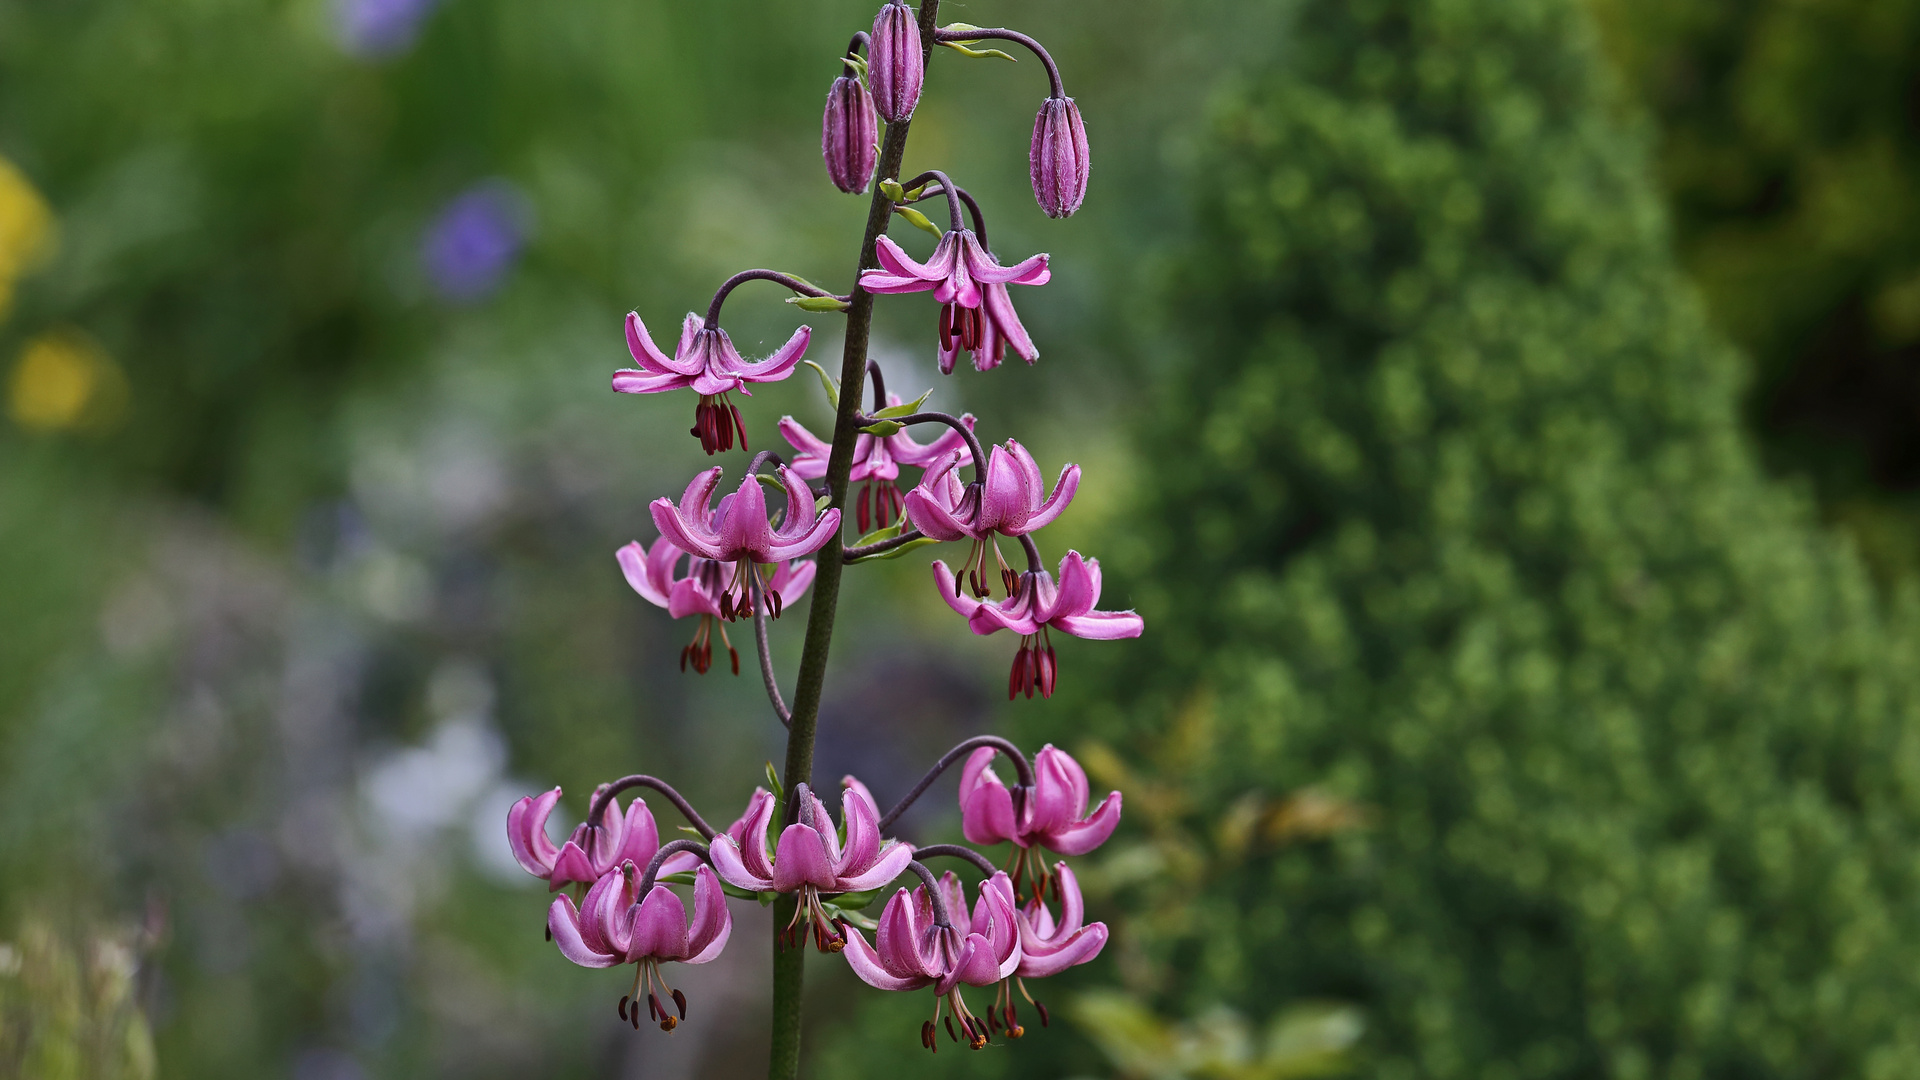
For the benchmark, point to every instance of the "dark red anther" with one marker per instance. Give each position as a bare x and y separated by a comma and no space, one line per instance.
926,1035
633,1015
1042,1006
549,932
1021,677
950,1034
775,602
739,425
680,1003
1049,665
946,327
623,1006
735,654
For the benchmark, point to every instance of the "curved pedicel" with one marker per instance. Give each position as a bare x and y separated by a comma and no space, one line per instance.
626,783
744,276
930,417
933,893
760,602
1020,767
660,857
973,208
1015,36
958,851
855,554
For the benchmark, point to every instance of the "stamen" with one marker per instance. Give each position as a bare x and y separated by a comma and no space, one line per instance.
950,1034
680,1003
623,1006
548,930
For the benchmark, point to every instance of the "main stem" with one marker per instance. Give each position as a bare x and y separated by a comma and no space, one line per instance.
789,964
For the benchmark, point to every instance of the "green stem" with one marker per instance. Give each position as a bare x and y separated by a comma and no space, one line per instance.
789,964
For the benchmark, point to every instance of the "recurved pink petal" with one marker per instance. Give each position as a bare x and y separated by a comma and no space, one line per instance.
928,513
1080,837
1077,948
642,835
781,362
976,966
1056,504
606,918
792,580
527,833
862,819
907,452
1079,586
732,868
810,451
799,517
984,268
690,597
750,832
659,927
867,966
571,865
1015,615
986,806
801,859
1060,789
1008,496
628,381
998,305
825,528
957,598
672,525
891,863
712,922
648,356
744,532
1101,625
895,261
901,939
563,921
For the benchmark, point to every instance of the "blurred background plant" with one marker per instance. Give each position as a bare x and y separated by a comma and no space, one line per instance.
1501,716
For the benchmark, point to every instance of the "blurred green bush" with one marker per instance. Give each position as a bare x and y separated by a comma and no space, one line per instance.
1450,512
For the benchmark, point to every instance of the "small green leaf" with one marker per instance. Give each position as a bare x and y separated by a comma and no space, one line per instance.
831,386
958,28
918,220
883,429
818,303
894,553
820,503
858,65
835,911
855,901
693,832
894,412
892,190
878,535
770,480
773,782
977,54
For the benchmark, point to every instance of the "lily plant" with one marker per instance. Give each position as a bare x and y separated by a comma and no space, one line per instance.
623,896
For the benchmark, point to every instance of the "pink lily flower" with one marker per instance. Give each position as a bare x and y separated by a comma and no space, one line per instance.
738,531
809,858
976,311
703,591
591,852
876,463
1049,946
1055,814
705,360
911,951
1009,500
1036,606
610,928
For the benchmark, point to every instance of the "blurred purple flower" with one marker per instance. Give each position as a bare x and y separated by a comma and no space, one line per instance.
475,241
376,28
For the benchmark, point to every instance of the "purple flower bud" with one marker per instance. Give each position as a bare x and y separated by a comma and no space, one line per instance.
895,65
1058,159
849,135
475,241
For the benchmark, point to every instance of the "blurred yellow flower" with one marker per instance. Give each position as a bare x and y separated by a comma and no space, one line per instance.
65,381
26,230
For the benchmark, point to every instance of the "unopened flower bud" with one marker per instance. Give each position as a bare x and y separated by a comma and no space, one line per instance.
895,65
849,135
1058,159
